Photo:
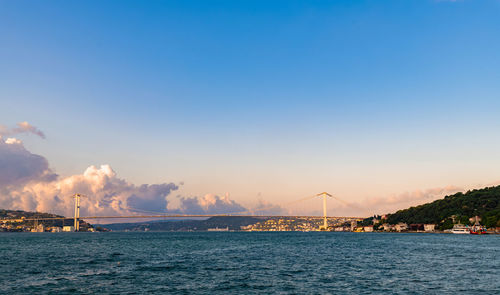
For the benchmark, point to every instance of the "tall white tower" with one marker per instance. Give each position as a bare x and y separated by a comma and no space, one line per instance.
77,211
325,222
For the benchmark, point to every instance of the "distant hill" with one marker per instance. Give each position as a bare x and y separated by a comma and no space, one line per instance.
18,214
231,222
460,206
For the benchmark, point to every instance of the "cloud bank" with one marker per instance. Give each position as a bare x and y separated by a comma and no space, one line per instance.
106,194
28,183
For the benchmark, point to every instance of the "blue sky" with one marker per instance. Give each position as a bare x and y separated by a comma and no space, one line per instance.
277,99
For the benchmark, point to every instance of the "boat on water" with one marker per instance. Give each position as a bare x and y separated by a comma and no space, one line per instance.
477,228
460,229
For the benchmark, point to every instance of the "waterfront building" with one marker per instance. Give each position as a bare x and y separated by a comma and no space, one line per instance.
401,227
354,224
68,228
368,229
387,227
38,229
429,227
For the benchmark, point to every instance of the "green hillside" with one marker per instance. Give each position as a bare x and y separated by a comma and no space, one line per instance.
482,202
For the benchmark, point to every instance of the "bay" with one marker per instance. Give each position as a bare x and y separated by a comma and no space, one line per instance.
248,263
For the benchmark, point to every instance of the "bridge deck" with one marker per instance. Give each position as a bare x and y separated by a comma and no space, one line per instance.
185,216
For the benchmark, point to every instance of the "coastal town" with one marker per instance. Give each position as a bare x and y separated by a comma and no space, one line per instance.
338,225
351,225
20,225
24,221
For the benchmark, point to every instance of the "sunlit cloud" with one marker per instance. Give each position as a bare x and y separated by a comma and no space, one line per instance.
28,183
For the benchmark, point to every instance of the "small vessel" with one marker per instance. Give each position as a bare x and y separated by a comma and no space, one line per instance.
477,228
460,229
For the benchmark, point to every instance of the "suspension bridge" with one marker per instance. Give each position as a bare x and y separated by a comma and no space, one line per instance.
323,195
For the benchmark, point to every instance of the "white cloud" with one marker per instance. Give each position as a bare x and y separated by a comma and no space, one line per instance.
22,127
12,140
27,183
106,194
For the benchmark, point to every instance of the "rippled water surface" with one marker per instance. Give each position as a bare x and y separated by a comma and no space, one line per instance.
248,263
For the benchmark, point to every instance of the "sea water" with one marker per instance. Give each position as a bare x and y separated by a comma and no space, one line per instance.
248,263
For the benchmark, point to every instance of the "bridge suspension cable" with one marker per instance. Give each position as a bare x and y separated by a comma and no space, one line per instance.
251,211
246,213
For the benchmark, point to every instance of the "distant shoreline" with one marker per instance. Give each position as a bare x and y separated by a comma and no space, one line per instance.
241,231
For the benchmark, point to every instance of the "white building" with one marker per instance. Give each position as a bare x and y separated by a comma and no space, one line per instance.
354,224
38,229
401,227
429,227
368,229
68,228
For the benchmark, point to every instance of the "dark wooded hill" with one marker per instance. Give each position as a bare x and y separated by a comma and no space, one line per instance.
484,203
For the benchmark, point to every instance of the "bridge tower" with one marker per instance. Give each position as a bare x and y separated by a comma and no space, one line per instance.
325,222
77,211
